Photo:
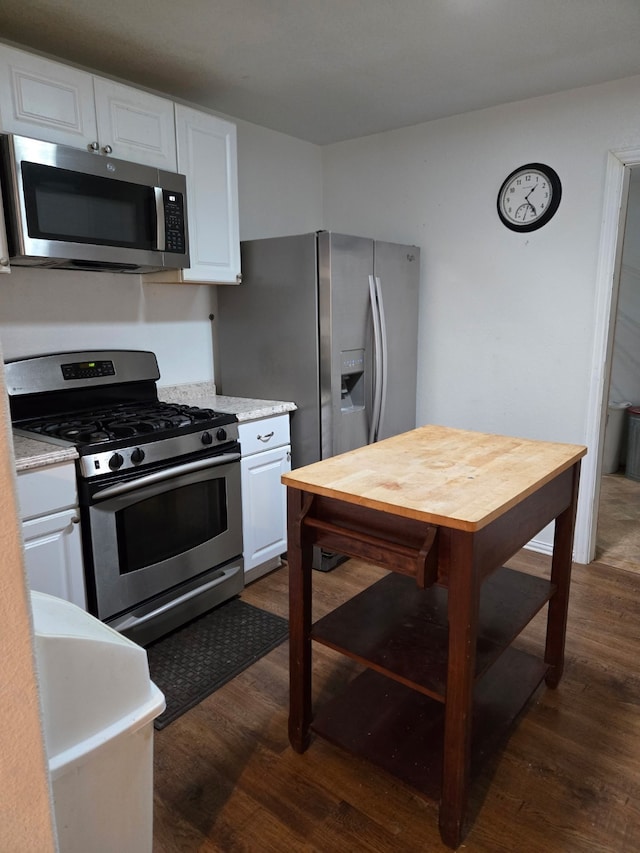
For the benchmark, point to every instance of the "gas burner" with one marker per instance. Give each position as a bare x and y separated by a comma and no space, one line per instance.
136,421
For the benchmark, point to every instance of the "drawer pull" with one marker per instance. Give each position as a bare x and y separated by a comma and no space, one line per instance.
267,437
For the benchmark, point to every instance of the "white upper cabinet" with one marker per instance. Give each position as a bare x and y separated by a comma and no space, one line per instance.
137,126
207,156
51,101
46,100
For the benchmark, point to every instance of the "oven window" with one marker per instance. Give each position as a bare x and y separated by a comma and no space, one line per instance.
78,208
170,523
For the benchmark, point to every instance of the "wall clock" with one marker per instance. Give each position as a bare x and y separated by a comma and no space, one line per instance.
529,197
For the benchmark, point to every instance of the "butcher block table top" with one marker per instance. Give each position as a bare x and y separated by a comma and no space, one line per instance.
439,475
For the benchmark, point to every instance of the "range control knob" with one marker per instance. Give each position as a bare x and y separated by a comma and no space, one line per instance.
116,461
221,434
137,455
206,438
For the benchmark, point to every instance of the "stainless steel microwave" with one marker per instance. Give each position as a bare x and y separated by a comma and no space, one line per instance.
71,209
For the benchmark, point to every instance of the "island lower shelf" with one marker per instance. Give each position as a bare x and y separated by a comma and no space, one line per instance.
401,730
400,631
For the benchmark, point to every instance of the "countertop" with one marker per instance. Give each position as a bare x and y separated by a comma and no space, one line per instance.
31,453
244,408
439,475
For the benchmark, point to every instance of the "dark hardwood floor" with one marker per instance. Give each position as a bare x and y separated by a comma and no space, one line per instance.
567,780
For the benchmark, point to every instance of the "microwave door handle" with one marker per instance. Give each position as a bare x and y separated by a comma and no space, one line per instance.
160,232
166,474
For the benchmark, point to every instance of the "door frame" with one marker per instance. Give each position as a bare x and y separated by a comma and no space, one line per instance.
616,189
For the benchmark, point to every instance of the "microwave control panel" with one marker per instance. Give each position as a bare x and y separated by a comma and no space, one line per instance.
174,221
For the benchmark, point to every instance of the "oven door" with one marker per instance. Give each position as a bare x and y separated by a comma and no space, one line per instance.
157,541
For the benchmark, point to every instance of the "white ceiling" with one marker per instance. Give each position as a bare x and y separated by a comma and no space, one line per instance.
329,70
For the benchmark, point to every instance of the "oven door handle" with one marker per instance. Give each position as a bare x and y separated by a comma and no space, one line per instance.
135,621
167,474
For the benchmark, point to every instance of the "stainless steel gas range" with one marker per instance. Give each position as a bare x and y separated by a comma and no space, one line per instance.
158,485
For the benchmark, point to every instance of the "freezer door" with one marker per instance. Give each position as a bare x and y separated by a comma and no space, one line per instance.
267,334
397,270
345,264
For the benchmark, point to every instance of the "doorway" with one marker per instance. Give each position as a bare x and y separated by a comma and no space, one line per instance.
617,540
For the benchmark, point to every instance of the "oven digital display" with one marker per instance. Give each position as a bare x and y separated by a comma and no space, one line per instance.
87,369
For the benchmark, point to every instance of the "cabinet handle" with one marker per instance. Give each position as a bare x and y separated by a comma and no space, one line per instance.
75,520
266,437
107,149
93,146
4,262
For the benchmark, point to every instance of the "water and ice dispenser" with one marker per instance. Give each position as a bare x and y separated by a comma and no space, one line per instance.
352,380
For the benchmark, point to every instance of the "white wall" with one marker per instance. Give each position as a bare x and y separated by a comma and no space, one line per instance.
53,310
506,320
280,192
279,183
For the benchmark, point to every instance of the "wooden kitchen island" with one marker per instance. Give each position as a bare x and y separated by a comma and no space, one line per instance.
443,509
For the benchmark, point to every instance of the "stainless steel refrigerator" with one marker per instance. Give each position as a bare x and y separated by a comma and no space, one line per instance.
330,322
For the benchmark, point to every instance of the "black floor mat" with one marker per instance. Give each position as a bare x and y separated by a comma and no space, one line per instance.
197,659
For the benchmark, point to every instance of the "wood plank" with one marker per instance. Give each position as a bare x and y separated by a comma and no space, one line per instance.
439,475
402,631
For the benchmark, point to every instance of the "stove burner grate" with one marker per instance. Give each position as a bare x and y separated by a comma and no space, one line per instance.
124,421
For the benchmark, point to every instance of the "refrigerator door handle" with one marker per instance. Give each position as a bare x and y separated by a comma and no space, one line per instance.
384,359
377,352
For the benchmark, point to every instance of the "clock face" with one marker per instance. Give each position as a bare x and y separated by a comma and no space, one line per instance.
529,197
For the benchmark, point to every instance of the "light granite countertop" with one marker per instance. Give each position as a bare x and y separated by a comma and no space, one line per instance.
31,453
204,394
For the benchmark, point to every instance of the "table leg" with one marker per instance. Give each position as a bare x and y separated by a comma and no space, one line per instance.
464,592
299,557
561,577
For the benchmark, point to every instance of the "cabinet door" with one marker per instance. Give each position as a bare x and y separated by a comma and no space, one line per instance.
264,505
45,100
207,156
53,556
135,125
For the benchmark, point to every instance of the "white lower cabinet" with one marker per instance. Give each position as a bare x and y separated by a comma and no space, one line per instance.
51,532
266,456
